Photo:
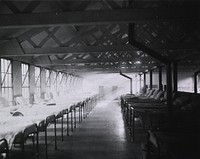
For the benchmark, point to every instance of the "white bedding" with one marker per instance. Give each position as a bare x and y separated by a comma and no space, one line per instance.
10,125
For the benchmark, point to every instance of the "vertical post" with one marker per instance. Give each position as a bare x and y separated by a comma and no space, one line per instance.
169,84
32,83
1,81
195,81
37,144
71,110
17,78
67,122
74,116
140,82
23,146
175,81
131,86
62,127
145,80
160,79
131,33
81,111
46,148
169,94
151,78
55,133
43,82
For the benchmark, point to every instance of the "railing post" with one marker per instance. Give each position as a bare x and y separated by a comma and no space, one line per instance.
67,122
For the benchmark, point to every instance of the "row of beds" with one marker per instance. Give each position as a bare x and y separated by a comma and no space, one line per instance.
24,121
172,130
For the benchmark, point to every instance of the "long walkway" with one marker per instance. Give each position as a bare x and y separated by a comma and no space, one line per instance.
101,135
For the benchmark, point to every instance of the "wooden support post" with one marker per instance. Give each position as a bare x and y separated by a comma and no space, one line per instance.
151,79
46,146
169,84
169,94
68,122
160,79
62,127
74,116
37,143
131,86
140,82
195,81
175,79
145,80
71,119
55,135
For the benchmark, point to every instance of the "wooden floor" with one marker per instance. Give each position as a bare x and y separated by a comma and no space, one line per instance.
102,135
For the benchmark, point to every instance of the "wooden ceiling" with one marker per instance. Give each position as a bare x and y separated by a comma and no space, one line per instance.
101,35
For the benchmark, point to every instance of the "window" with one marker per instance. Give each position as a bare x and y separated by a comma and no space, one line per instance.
59,81
62,82
37,81
65,81
25,81
6,79
70,83
47,81
185,81
198,83
53,84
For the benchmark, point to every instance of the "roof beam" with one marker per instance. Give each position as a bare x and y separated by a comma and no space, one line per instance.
81,70
150,51
98,17
87,49
30,33
67,50
80,67
97,60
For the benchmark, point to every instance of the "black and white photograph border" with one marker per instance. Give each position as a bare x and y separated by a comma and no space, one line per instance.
99,79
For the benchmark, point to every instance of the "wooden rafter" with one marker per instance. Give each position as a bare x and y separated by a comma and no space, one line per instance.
50,34
80,39
98,17
105,33
101,68
67,50
83,5
96,60
31,6
32,43
30,33
84,32
28,9
112,4
12,7
60,44
145,48
95,66
150,51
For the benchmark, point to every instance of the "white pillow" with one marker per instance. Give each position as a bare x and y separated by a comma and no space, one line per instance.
21,101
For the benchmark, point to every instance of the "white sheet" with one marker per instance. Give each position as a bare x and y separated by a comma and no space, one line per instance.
10,125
